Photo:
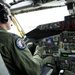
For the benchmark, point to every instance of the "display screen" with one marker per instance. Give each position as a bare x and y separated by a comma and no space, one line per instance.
49,40
68,54
65,55
70,22
73,23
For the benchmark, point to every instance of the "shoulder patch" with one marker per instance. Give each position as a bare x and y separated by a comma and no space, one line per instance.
20,44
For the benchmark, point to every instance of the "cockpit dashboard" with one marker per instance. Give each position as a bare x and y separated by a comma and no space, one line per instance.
62,48
58,40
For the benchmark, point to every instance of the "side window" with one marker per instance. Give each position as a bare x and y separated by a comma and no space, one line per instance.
14,29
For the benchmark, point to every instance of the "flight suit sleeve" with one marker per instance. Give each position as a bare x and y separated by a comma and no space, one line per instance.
38,53
24,59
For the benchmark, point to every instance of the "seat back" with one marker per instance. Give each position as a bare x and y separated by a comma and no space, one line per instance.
3,69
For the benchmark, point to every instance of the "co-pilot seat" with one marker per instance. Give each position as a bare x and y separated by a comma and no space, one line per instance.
3,69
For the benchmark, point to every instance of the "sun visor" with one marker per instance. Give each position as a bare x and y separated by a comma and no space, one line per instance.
21,6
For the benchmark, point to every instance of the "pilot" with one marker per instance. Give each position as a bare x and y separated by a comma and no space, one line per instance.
14,51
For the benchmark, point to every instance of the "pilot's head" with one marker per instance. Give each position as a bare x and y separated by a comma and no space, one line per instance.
5,15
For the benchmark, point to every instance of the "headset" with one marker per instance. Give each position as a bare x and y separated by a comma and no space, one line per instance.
3,14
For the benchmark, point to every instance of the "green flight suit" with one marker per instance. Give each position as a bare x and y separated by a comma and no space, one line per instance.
17,56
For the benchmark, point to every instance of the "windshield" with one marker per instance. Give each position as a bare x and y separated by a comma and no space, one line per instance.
31,20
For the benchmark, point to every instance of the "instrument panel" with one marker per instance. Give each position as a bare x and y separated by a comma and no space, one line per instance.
51,45
68,38
67,61
63,42
62,47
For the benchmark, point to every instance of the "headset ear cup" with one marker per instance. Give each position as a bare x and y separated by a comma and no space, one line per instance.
3,16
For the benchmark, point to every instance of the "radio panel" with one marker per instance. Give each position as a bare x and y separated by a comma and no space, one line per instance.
67,61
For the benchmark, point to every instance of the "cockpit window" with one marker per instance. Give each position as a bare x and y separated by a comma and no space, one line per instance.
31,20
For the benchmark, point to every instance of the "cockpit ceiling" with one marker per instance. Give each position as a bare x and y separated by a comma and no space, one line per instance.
34,7
20,6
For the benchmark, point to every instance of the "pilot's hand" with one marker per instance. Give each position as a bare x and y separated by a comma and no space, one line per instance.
39,51
48,59
67,72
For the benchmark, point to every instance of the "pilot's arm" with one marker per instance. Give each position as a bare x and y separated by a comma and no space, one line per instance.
39,51
48,63
24,59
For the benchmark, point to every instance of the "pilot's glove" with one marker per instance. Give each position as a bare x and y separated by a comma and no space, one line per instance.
39,51
67,72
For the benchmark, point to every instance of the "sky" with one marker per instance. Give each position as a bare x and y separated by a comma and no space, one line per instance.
31,20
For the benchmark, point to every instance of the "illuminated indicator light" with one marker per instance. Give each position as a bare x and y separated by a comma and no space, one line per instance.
65,54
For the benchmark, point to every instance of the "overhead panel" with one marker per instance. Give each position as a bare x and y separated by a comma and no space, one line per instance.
26,6
19,7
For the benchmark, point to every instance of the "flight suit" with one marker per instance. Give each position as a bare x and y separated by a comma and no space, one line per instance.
17,56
